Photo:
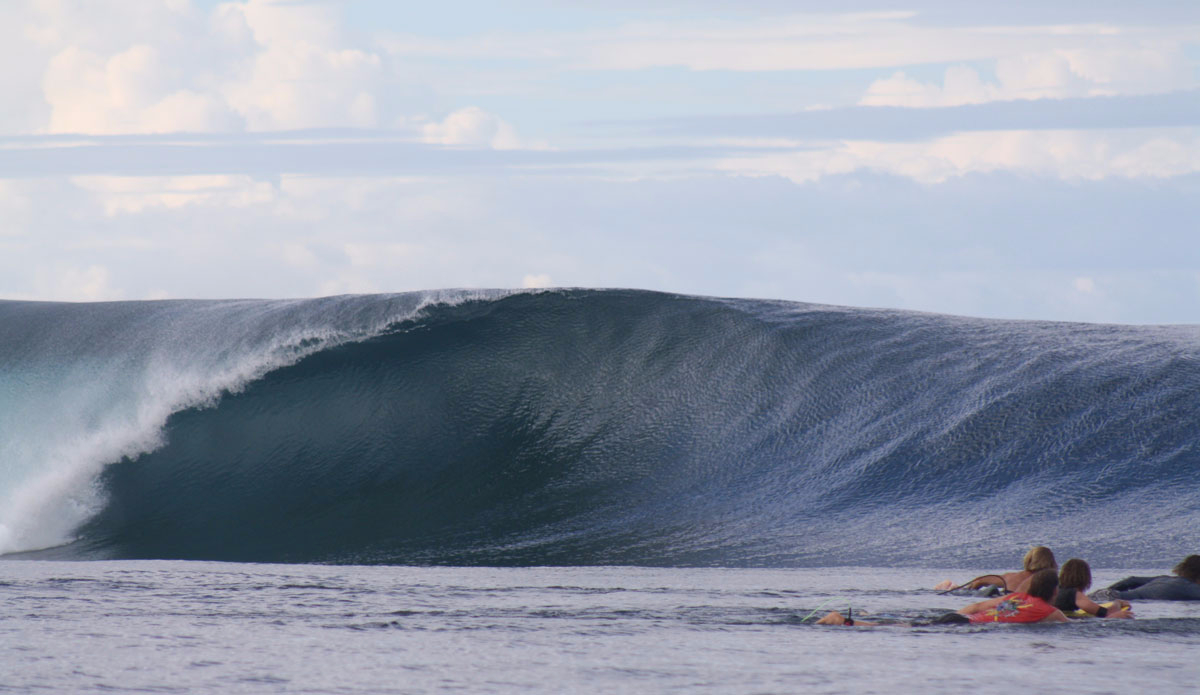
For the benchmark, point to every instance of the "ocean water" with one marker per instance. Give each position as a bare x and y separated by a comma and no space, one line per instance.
207,627
590,490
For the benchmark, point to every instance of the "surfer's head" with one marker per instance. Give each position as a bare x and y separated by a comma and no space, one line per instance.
1075,574
1039,558
1043,584
1189,568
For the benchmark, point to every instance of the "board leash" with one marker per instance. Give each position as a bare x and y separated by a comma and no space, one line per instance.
814,612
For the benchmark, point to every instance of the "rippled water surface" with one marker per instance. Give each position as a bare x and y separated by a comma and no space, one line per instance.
169,626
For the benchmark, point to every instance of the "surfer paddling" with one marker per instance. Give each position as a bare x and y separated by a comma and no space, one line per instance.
1031,606
1184,586
1038,558
1073,581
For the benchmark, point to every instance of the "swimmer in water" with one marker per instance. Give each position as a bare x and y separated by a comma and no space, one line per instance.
1018,607
1038,558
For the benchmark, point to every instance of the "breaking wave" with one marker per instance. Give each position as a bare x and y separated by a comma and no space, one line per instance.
590,427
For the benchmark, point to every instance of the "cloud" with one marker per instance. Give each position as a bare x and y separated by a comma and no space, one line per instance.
1064,154
982,244
162,67
129,92
171,66
15,211
1057,154
354,153
23,109
1057,295
303,74
299,255
536,281
896,123
1046,75
778,38
472,126
391,255
134,194
962,85
67,283
259,148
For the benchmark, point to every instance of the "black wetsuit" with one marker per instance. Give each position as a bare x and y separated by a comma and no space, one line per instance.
1164,588
1064,600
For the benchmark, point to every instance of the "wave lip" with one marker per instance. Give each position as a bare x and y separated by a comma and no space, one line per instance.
622,427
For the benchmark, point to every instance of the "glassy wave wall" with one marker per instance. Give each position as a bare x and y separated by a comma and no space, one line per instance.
590,427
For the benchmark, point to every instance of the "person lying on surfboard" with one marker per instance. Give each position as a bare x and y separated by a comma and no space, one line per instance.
1073,581
1018,607
1038,558
1184,586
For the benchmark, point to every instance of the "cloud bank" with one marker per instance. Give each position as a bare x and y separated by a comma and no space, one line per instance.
1034,160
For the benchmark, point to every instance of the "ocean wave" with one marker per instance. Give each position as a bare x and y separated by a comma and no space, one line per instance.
594,427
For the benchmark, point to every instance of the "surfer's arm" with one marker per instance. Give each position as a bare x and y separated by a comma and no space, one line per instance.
986,580
1119,609
1056,617
980,606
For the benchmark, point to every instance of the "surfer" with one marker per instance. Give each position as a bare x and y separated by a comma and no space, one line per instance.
1184,586
1031,606
1073,581
1038,558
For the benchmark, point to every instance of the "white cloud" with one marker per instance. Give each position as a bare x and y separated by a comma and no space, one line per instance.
129,92
135,194
160,67
304,73
22,109
828,41
296,83
68,283
536,281
472,126
962,85
15,211
1040,75
346,283
1091,155
1019,294
858,239
388,254
299,256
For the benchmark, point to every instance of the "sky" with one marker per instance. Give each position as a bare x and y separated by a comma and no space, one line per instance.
1038,160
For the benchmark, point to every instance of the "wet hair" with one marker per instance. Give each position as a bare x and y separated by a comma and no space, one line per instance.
1039,558
1075,574
1189,568
1043,584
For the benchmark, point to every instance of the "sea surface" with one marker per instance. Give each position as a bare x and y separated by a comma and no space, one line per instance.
577,490
210,627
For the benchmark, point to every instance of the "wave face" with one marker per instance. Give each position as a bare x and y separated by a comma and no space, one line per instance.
592,427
